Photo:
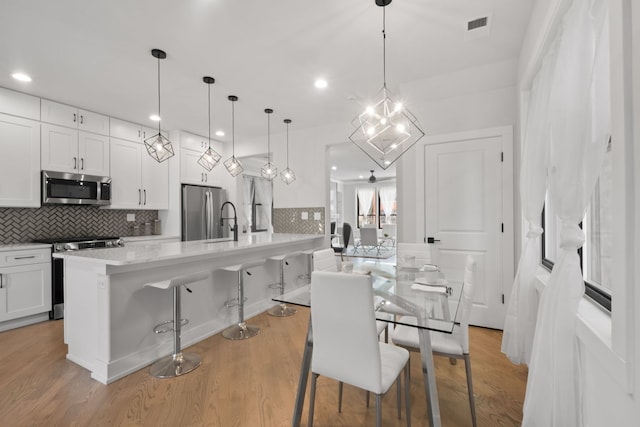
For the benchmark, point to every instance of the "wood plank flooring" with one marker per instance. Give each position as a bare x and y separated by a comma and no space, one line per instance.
240,383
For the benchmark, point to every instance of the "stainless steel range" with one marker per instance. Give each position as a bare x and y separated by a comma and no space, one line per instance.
65,244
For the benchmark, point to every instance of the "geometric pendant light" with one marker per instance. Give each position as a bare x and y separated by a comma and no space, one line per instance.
269,170
158,146
210,158
232,164
287,175
386,129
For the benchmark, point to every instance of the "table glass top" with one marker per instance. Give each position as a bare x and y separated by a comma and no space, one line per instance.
402,295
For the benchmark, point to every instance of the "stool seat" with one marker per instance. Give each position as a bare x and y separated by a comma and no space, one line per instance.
282,310
178,363
241,330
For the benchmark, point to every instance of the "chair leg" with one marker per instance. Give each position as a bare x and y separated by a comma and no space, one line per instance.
312,398
340,386
467,365
378,410
407,397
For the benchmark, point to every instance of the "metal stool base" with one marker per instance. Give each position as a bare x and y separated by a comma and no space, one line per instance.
281,310
241,331
175,365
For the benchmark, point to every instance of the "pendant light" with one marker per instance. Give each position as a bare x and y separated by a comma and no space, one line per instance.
158,146
210,157
269,170
386,129
232,164
287,175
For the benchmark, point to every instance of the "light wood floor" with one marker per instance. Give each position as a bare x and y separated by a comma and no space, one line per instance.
247,383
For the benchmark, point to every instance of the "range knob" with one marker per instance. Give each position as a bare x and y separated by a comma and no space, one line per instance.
109,243
119,243
68,247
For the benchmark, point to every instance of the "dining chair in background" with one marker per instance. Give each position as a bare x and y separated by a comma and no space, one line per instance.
325,260
421,252
345,239
369,239
454,345
345,341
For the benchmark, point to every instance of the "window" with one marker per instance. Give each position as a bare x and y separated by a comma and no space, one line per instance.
376,206
595,255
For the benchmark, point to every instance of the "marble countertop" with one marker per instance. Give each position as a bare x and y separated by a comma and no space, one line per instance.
143,252
23,246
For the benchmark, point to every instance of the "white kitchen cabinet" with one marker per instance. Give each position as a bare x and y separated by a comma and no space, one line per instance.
19,162
137,180
192,147
25,283
131,131
73,151
19,104
73,117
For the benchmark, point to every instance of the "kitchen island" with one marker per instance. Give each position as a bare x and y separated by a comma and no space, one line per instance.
109,315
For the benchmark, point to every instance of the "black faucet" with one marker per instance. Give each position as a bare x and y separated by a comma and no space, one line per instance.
235,220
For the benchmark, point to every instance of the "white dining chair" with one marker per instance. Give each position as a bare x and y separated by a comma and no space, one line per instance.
369,239
421,252
345,341
454,345
325,260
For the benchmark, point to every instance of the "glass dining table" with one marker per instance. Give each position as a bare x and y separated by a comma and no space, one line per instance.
401,296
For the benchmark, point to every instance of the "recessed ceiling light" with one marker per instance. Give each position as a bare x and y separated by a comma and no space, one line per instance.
21,76
219,133
321,84
334,168
155,117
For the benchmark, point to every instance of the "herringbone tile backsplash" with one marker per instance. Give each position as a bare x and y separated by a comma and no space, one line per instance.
24,225
289,220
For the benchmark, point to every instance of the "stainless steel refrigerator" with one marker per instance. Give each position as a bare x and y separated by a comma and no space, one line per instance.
201,213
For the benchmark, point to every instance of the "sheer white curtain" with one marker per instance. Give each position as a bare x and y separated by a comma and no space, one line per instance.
264,193
365,197
247,199
520,322
387,197
580,128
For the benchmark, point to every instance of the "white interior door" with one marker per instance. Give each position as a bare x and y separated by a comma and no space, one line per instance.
463,215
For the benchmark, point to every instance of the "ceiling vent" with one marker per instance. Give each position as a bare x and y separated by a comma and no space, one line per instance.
477,28
477,23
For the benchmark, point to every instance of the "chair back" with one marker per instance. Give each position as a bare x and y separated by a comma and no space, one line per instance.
346,233
369,236
325,260
345,338
421,252
389,230
467,301
333,227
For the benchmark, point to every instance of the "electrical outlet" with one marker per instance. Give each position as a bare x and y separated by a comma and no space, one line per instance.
304,216
316,216
131,217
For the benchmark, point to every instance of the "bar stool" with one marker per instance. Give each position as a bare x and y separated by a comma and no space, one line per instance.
178,363
282,310
308,254
241,330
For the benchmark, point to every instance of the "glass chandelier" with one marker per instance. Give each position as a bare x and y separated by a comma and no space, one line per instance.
232,164
386,129
158,146
269,170
287,175
210,158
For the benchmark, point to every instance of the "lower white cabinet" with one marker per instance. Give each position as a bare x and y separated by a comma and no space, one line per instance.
25,283
137,180
19,162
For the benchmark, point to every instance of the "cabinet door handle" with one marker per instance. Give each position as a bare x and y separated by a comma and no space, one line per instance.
74,117
1,281
138,133
81,161
75,163
139,196
24,257
206,177
145,197
81,119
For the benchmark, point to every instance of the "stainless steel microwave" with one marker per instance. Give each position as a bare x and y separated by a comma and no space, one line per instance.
75,189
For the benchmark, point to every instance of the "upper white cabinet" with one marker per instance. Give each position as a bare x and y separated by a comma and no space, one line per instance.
192,147
19,104
70,150
137,180
131,131
66,115
19,162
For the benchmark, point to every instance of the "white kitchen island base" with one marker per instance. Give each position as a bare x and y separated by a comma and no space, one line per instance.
110,315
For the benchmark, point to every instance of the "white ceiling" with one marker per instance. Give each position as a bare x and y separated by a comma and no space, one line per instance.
96,54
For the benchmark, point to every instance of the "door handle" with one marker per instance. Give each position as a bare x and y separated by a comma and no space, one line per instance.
432,240
81,119
24,257
206,177
139,196
145,197
81,161
75,163
1,280
74,117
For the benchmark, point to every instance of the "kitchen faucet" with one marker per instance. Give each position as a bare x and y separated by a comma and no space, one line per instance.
234,217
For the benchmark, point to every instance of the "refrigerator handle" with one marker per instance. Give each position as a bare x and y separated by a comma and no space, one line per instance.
207,215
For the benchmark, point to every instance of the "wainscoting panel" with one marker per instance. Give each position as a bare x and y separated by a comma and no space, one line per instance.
21,225
289,220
